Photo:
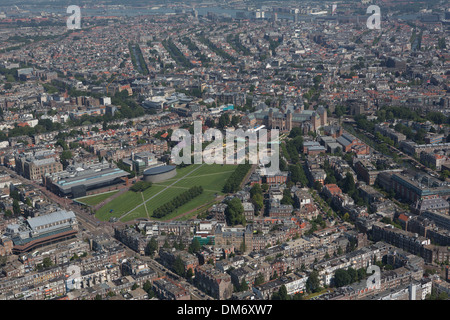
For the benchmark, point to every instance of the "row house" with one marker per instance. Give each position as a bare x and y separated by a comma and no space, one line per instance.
427,228
244,196
178,228
341,167
278,178
101,258
168,258
142,277
266,290
369,194
167,289
215,283
91,293
95,276
351,144
117,285
397,277
6,246
255,178
226,236
158,148
217,212
250,272
60,255
356,211
259,242
361,258
318,175
276,209
294,283
131,238
436,254
408,290
235,262
249,211
441,286
308,211
331,190
302,197
436,160
436,204
402,239
440,219
342,201
13,269
134,267
46,291
32,278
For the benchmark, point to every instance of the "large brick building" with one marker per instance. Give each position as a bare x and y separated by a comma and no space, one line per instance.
288,117
42,230
168,258
416,187
168,289
217,284
351,144
35,166
402,239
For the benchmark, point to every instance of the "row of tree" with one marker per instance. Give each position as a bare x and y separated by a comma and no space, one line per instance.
225,121
234,213
177,202
343,277
297,174
176,54
137,58
293,148
219,51
235,179
282,294
237,44
256,196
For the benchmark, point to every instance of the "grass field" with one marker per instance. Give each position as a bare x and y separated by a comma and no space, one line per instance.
131,205
95,199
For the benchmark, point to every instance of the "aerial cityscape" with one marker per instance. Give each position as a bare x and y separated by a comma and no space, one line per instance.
212,150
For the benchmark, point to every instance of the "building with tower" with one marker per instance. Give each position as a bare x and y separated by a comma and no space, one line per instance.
287,117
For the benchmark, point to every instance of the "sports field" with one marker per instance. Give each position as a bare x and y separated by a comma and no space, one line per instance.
132,205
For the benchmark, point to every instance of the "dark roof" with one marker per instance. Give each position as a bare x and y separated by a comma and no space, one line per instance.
159,170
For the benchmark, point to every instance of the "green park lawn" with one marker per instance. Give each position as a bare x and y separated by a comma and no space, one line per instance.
129,206
95,199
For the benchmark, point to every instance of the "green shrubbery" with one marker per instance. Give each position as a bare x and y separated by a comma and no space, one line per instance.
141,186
233,182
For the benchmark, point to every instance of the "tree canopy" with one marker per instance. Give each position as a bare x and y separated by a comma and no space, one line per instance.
234,213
